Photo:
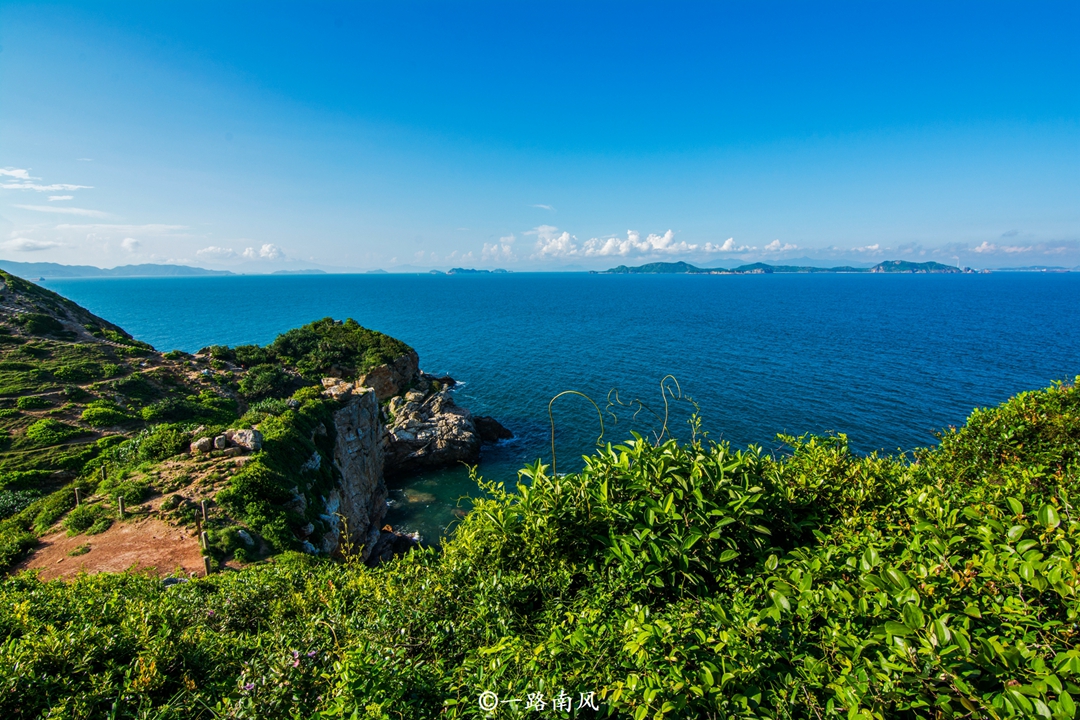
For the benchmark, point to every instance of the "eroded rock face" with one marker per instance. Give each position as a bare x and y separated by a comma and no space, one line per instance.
360,498
392,379
426,432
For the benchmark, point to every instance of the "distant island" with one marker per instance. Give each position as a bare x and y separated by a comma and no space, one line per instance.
56,270
473,271
889,266
298,272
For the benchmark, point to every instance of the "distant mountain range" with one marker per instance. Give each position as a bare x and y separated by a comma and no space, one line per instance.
889,266
32,271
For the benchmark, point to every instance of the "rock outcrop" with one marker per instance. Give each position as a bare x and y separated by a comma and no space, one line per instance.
357,505
238,441
392,378
426,432
490,429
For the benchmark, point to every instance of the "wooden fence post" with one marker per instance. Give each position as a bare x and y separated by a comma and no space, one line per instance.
204,540
206,563
203,503
120,503
78,498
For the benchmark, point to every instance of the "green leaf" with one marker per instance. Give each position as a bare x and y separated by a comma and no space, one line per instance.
771,563
1065,702
728,555
941,632
913,616
895,628
1015,533
1048,516
1016,506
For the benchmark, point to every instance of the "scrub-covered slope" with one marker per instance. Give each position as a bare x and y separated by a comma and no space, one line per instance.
282,443
671,580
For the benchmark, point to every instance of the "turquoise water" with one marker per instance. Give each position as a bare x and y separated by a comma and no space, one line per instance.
887,359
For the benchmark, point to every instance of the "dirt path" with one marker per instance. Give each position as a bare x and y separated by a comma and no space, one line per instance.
147,545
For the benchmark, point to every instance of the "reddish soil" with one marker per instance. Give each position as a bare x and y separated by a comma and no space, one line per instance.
145,545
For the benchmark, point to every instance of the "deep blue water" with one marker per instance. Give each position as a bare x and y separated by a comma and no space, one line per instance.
887,359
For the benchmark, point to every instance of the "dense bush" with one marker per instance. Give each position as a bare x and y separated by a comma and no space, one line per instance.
89,519
678,580
103,413
32,402
12,501
263,380
204,407
51,432
318,349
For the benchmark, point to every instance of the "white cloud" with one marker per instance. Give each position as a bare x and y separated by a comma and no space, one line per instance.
54,198
65,210
874,249
21,244
986,247
268,251
728,246
16,173
551,243
777,246
498,253
543,207
86,159
989,247
130,244
216,253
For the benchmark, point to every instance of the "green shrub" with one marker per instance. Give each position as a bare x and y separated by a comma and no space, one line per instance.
133,490
263,380
84,517
111,370
39,324
164,441
78,373
103,413
13,501
32,402
51,432
9,412
206,407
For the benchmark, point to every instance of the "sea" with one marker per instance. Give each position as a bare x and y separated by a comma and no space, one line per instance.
888,360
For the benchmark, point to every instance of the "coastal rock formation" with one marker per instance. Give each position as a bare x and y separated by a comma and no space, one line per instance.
390,544
392,378
360,498
490,429
428,431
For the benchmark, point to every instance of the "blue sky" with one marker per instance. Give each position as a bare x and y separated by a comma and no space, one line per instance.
266,136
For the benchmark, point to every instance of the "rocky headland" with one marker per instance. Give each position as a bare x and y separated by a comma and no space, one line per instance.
248,450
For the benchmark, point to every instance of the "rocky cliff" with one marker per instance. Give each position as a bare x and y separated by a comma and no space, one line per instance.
355,509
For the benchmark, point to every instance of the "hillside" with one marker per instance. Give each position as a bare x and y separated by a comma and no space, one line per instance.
890,266
278,441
